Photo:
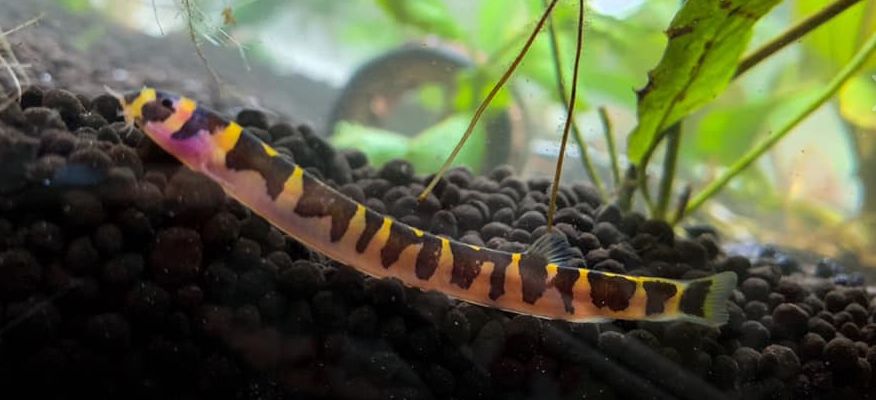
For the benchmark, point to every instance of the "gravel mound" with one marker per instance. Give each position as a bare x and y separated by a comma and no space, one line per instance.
125,275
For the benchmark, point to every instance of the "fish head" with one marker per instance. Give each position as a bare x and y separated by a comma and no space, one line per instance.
175,123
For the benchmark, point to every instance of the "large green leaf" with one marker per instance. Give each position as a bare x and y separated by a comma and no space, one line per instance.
857,101
837,41
378,144
706,40
430,148
724,133
833,45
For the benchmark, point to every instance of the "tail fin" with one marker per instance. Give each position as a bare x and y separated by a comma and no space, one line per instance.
704,300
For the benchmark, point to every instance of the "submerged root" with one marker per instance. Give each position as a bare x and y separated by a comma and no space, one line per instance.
201,27
190,11
11,67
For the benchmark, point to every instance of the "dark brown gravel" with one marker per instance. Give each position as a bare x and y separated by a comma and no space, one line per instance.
124,275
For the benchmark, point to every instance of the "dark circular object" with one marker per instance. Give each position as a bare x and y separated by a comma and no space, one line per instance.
108,331
385,292
176,257
81,257
40,119
20,274
108,238
572,216
107,106
530,220
724,371
835,301
755,310
791,320
397,172
96,161
661,230
301,280
45,238
468,217
66,103
190,195
252,118
812,346
245,253
780,361
495,230
123,271
755,289
754,334
608,213
841,354
221,229
823,328
31,96
692,253
254,283
363,321
607,233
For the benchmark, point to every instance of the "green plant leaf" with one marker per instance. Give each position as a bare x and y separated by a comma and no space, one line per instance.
726,132
473,85
428,15
706,40
428,150
378,144
832,45
836,42
76,6
857,101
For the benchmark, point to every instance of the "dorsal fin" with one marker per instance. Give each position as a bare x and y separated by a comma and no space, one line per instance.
554,247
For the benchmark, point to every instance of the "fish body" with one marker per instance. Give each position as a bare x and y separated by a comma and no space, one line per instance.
537,282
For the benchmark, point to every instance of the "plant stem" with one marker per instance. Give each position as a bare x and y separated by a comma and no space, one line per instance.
683,199
627,188
793,34
673,137
570,116
847,72
189,10
609,140
486,102
642,181
561,92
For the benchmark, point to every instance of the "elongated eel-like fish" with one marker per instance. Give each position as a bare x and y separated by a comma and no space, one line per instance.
537,282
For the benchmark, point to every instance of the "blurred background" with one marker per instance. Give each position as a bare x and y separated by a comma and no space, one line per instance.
399,78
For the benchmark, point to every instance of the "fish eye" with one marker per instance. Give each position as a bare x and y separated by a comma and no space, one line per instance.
167,103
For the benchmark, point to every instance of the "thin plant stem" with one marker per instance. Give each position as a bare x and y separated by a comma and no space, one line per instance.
10,63
570,115
847,72
157,20
793,34
189,9
24,25
609,140
561,92
627,189
642,181
673,141
683,199
486,102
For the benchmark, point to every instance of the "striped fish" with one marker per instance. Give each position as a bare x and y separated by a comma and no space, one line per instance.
537,282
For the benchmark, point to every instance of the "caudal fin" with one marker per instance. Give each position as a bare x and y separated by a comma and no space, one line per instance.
704,300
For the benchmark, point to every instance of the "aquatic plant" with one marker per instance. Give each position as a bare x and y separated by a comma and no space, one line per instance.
702,53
